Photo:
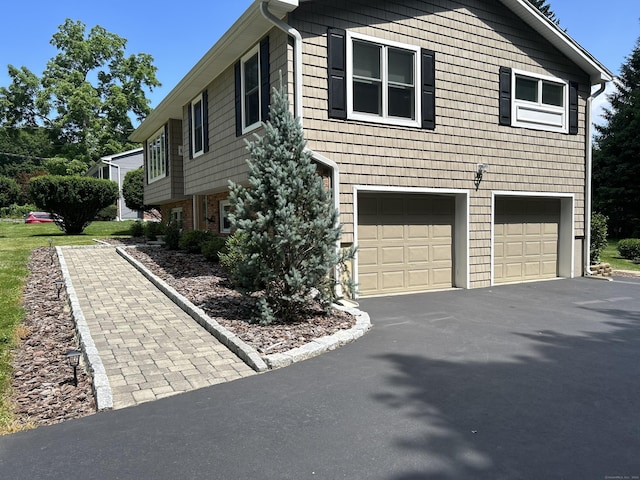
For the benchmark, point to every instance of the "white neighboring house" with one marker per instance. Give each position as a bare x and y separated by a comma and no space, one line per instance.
115,167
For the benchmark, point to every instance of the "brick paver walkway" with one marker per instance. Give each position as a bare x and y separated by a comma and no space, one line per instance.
149,347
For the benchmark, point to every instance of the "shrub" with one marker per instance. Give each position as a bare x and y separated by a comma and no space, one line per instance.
192,240
133,191
107,213
16,211
173,233
212,248
137,229
152,230
629,248
74,201
233,257
9,191
598,235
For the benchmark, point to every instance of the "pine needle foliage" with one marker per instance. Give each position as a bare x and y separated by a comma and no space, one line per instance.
286,224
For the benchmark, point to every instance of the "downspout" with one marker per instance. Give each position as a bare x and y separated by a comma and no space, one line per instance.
106,162
587,184
297,61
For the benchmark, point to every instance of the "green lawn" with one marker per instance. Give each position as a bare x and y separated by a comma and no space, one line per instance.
612,257
16,242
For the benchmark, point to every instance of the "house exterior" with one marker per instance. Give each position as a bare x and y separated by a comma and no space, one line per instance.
455,135
115,167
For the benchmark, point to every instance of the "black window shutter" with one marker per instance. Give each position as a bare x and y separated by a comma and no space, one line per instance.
265,79
146,162
166,148
190,122
238,81
573,108
428,89
505,96
337,72
205,120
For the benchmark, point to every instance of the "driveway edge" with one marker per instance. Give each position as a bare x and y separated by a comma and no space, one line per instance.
247,353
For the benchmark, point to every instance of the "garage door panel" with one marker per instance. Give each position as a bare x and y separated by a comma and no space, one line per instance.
418,254
525,238
412,242
392,255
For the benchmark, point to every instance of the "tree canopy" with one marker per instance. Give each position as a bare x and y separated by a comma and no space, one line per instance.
85,97
616,156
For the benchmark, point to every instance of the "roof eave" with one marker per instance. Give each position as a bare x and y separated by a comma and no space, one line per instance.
242,35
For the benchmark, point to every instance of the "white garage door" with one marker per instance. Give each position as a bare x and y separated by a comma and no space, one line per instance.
525,239
405,243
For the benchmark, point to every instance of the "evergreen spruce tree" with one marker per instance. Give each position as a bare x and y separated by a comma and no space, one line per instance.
544,7
285,221
616,156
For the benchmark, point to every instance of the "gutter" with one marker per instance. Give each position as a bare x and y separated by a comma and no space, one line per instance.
587,181
297,61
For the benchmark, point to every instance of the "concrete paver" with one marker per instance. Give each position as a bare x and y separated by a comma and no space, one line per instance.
149,347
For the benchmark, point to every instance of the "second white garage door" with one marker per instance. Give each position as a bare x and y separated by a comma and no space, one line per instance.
405,243
526,233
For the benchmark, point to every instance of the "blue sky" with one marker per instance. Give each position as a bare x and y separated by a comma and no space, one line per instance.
178,37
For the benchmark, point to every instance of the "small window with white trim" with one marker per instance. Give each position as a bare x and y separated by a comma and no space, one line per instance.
225,223
383,80
176,215
196,117
156,156
251,95
539,102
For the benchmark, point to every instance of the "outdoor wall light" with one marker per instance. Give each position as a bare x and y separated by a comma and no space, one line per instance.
73,358
480,169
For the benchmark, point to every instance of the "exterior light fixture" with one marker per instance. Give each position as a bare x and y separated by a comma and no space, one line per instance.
73,358
480,169
59,284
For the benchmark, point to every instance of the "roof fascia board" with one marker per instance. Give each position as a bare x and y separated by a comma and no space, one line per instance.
561,40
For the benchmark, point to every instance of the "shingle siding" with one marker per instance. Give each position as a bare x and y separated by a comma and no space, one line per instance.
171,187
472,40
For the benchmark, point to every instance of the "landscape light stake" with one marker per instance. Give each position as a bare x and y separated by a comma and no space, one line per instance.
73,358
59,284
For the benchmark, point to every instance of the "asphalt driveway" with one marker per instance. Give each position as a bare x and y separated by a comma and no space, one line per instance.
532,381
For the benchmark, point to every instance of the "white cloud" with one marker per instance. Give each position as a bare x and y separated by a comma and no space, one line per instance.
600,103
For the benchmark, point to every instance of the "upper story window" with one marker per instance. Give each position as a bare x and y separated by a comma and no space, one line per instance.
252,88
383,80
539,102
198,125
157,156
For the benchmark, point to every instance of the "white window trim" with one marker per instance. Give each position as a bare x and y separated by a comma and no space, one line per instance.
539,114
159,167
249,128
417,122
223,203
192,140
177,213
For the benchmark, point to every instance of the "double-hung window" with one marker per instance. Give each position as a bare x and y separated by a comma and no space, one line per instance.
539,102
157,156
383,81
198,125
252,88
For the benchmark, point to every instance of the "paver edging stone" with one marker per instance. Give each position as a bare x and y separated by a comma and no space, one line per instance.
247,353
100,382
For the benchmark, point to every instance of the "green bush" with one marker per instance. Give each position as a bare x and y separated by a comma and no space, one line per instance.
629,248
153,229
74,200
212,248
598,235
193,240
107,213
9,191
173,233
137,229
17,211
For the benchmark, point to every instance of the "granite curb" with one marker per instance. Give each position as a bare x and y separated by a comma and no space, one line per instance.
247,353
100,384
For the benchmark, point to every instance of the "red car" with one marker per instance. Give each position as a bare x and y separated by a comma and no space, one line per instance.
38,217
